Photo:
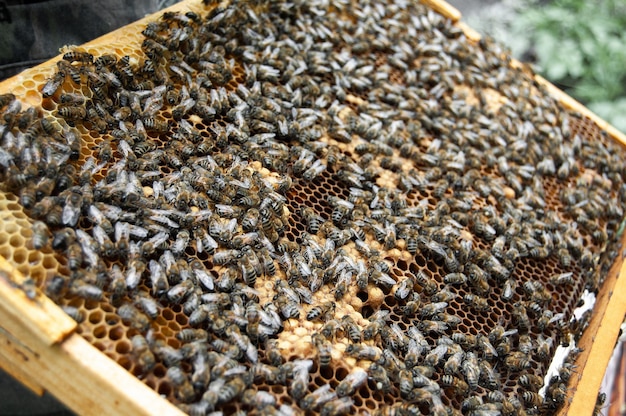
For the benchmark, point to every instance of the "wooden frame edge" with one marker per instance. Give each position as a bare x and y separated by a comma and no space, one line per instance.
443,8
14,370
83,378
598,342
20,314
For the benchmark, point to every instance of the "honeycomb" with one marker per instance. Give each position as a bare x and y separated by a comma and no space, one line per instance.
312,207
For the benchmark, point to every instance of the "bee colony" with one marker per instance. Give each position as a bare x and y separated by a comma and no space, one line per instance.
312,207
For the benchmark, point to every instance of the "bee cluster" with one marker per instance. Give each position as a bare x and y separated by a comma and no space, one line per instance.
289,207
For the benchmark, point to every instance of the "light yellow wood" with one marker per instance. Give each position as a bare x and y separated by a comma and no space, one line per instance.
19,314
13,369
444,9
83,378
598,342
470,33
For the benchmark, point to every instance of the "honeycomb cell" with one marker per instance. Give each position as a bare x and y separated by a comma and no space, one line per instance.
174,326
20,256
116,333
95,317
122,347
165,389
100,332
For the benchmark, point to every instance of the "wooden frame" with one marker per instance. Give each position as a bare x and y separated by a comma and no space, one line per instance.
39,346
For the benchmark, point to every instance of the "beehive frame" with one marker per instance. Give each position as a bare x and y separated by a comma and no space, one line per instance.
604,325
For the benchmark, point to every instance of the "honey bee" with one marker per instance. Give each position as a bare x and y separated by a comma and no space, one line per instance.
63,238
145,302
202,275
323,347
222,229
489,375
429,285
404,288
597,410
56,287
436,354
411,308
273,353
321,312
330,329
71,210
478,279
351,328
531,381
259,399
52,85
373,329
336,407
431,309
444,295
562,279
564,329
364,352
379,375
525,344
544,347
141,350
133,317
74,313
288,308
184,389
508,289
192,334
300,371
232,389
566,370
225,257
432,326
471,370
318,397
459,386
476,302
85,290
243,342
520,316
198,315
158,278
40,235
351,382
457,278
532,399
73,112
180,291
78,56
6,99
156,125
313,220
517,361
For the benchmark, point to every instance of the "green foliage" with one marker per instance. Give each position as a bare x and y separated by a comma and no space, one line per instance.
581,47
